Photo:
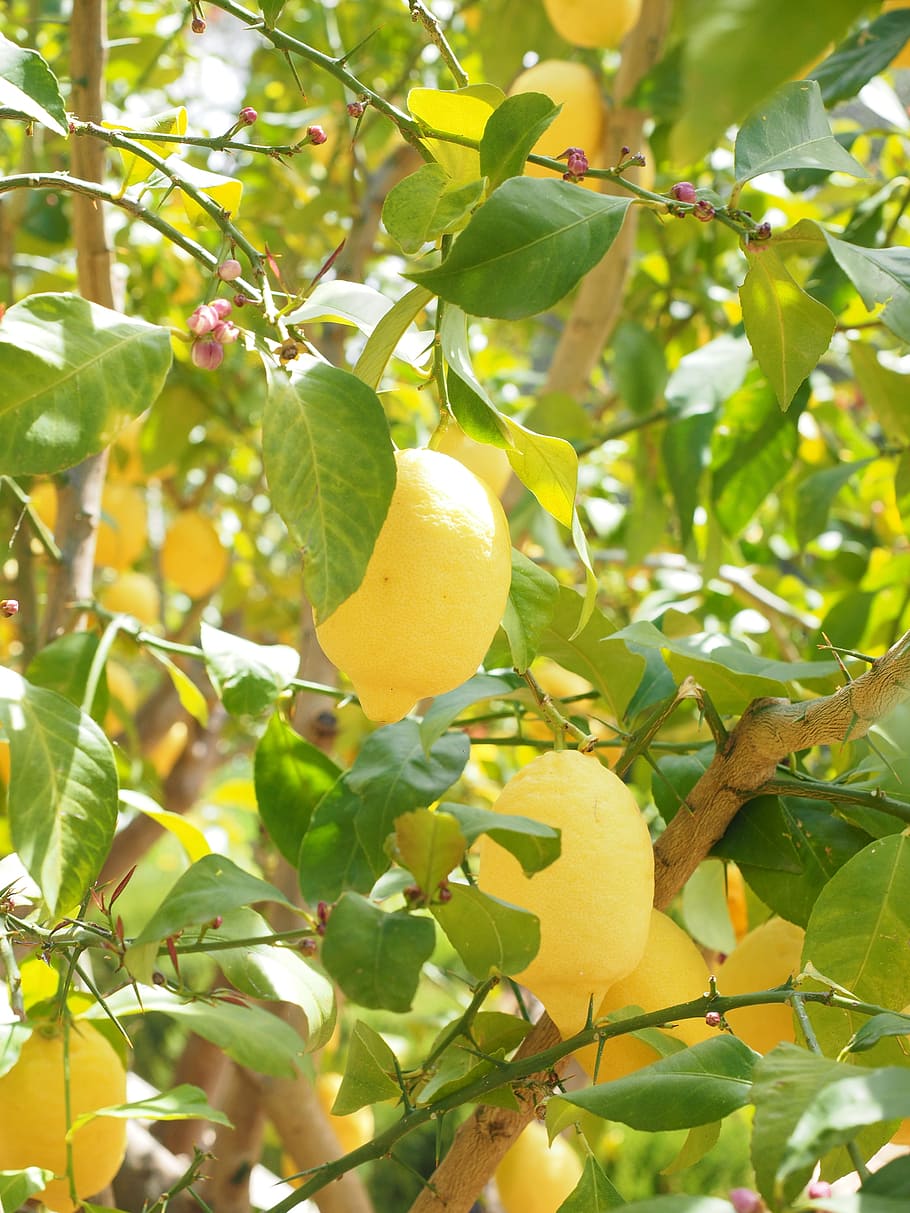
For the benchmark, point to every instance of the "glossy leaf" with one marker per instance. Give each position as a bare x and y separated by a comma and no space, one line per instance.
861,56
374,956
332,857
532,600
881,276
533,844
446,708
387,334
369,1072
185,1102
511,133
62,797
331,473
339,302
429,845
28,85
490,936
187,833
464,112
526,248
594,1193
74,375
248,677
878,1028
427,205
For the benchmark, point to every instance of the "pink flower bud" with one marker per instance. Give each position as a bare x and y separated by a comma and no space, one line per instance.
221,307
712,1019
247,115
203,320
229,270
744,1200
683,191
225,333
316,135
576,163
818,1189
356,108
207,355
198,26
9,607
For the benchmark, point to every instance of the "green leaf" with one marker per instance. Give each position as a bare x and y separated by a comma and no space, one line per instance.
639,367
863,55
594,1193
884,390
788,329
331,471
427,205
692,1087
490,936
791,130
291,776
446,708
62,796
463,112
491,1033
28,85
63,666
816,494
213,885
878,1028
191,698
184,1102
332,858
429,845
510,134
74,375
532,601
248,677
369,1073
249,1035
391,328
271,11
526,248
376,957
17,1186
533,844
865,1201
891,1180
704,907
882,276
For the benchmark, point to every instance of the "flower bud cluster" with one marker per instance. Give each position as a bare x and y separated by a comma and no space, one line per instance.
212,331
576,164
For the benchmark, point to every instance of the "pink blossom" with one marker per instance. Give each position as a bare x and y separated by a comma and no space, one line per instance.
207,355
228,270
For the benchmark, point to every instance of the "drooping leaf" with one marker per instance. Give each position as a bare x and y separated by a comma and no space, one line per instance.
185,1102
533,844
374,956
248,677
191,697
339,302
526,248
28,85
369,1072
594,1193
878,1028
331,472
387,334
187,833
74,375
490,936
881,276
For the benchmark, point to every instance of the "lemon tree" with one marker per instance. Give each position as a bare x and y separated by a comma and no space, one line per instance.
453,632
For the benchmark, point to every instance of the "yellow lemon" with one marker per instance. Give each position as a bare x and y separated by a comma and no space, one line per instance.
124,691
586,23
737,904
434,592
353,1130
122,533
534,1177
903,58
192,555
164,753
43,497
490,463
133,594
33,1112
594,902
765,958
4,762
671,971
580,123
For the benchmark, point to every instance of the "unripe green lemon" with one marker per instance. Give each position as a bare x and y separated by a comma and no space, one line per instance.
434,591
534,1177
594,902
765,958
672,970
588,23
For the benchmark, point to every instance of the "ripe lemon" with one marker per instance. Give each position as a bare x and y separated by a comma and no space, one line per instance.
594,902
122,532
353,1130
434,590
33,1112
164,753
133,594
580,123
4,762
672,970
192,555
490,463
586,24
765,958
124,692
534,1177
903,58
737,903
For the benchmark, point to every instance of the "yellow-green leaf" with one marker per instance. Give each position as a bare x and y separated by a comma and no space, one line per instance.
190,837
462,112
224,191
170,122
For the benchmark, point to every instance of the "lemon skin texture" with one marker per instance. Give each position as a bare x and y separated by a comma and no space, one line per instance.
192,556
602,23
535,1178
672,970
434,591
33,1117
764,958
594,902
581,121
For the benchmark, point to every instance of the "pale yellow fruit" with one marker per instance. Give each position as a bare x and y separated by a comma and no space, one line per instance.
903,58
434,591
765,958
4,763
534,1177
594,902
192,555
123,689
580,123
353,1130
43,497
671,971
164,753
737,905
490,463
33,1116
122,531
602,23
133,594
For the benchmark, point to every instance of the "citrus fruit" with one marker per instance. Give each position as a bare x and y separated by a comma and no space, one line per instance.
737,903
903,58
43,498
585,24
766,957
353,1130
672,970
434,591
490,463
4,762
534,1177
580,123
192,555
133,594
33,1112
123,692
594,901
122,533
164,753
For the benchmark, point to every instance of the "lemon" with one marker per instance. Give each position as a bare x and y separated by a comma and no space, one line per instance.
434,591
765,958
192,555
122,533
672,970
4,762
534,1177
164,753
594,902
584,23
33,1112
490,463
124,692
580,123
353,1130
133,594
902,59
